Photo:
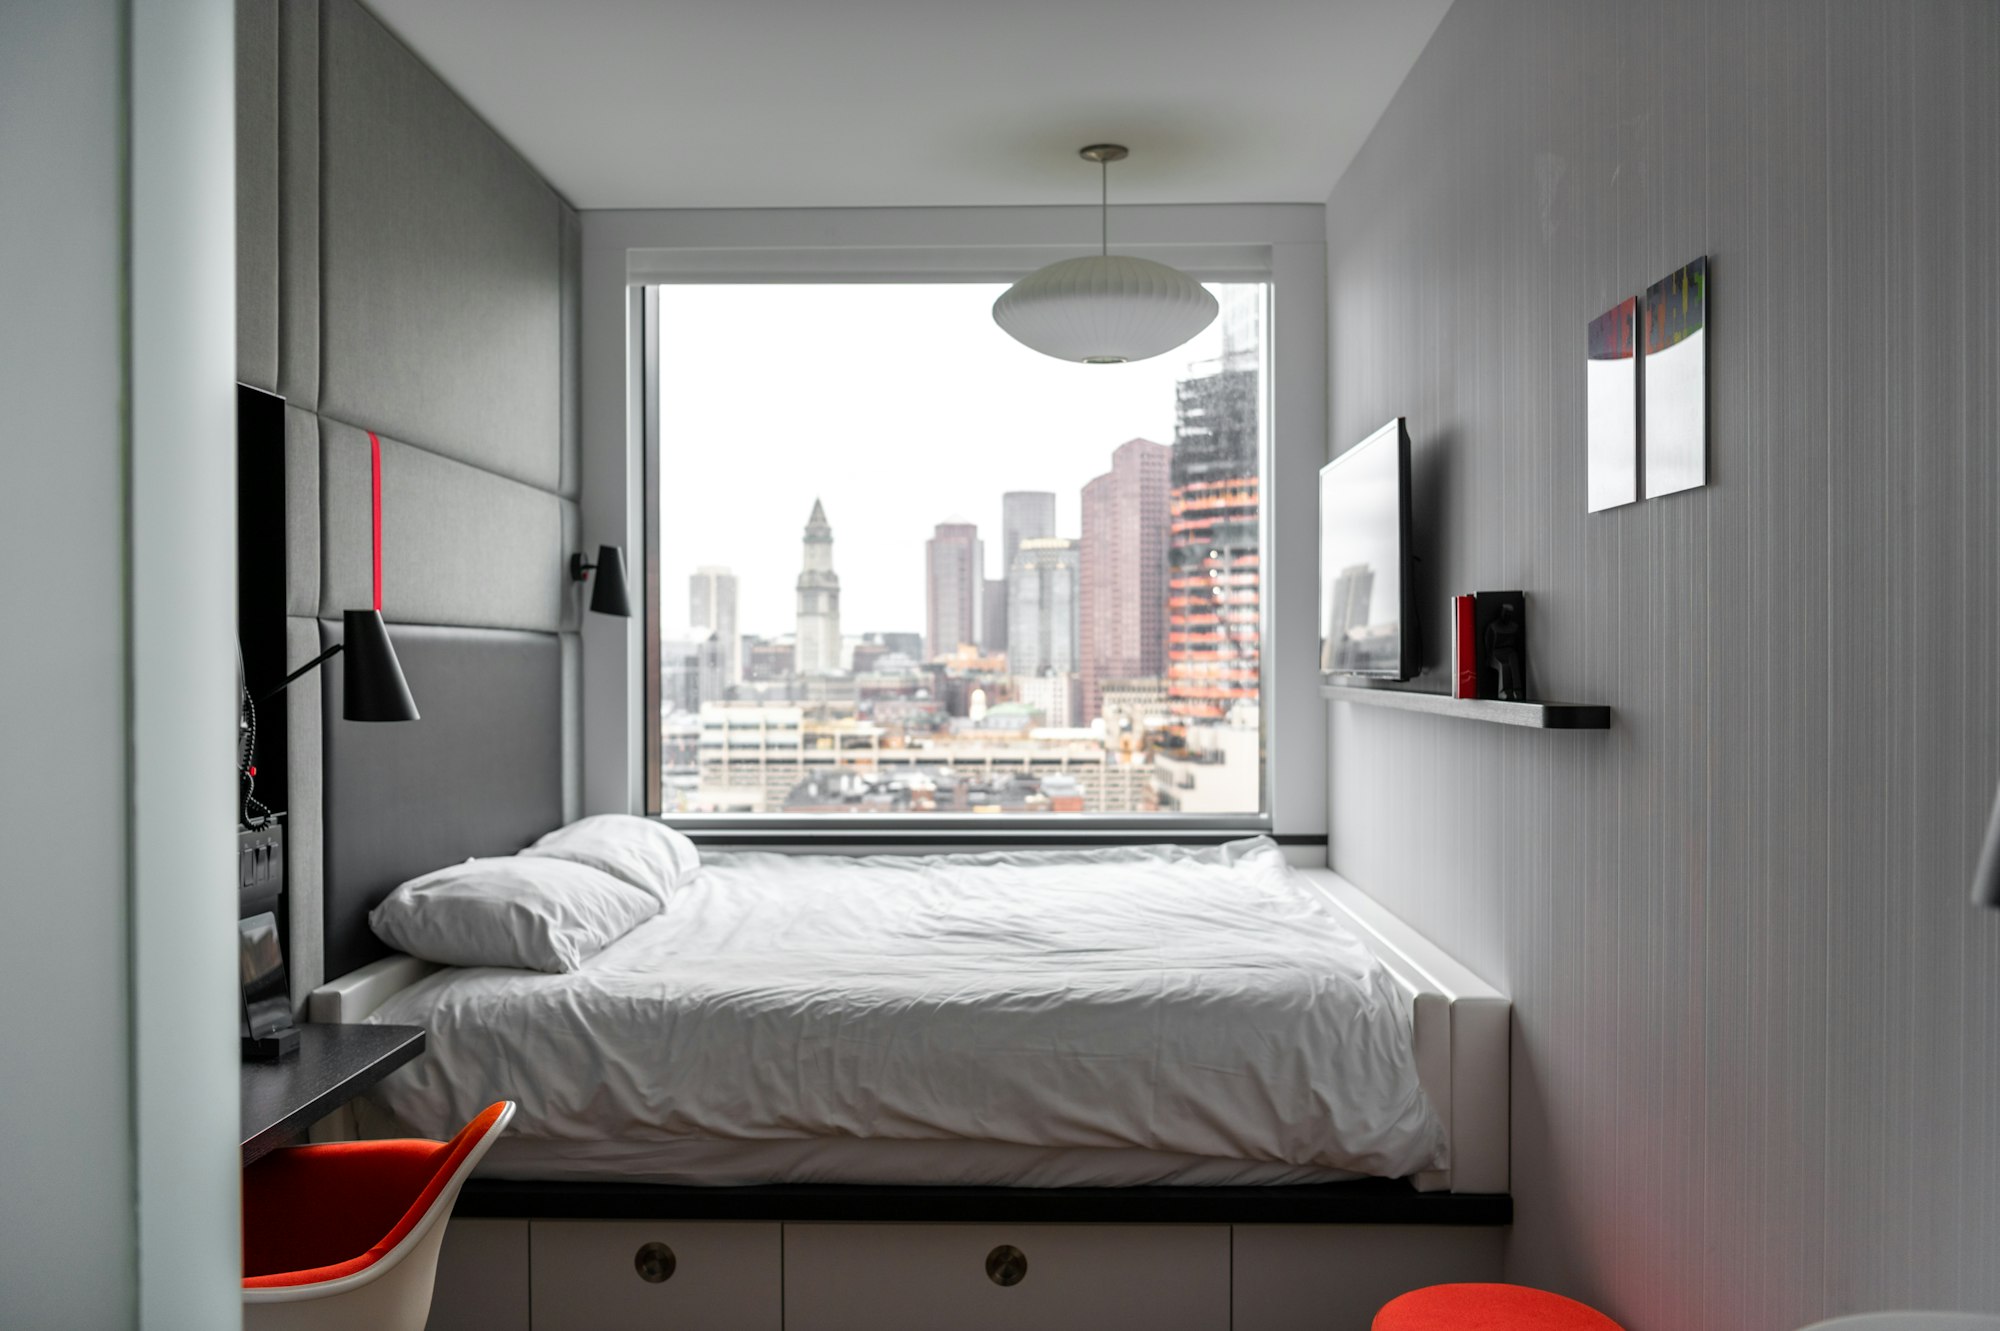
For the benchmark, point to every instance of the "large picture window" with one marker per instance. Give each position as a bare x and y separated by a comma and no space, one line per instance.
904,567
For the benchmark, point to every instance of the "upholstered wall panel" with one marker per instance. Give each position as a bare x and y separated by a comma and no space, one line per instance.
419,280
480,774
257,194
459,545
302,518
441,261
1757,1059
298,215
303,827
572,708
572,362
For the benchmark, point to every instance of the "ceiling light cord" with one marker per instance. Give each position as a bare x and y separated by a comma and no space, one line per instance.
1104,204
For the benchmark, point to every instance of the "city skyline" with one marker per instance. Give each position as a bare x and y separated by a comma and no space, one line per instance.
1127,678
954,420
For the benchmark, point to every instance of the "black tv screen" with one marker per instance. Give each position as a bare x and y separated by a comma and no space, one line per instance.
1367,619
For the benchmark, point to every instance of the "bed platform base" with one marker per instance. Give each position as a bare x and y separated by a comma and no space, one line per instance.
586,1255
1364,1202
613,1275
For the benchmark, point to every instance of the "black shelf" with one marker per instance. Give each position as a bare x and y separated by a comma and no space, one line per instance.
1534,715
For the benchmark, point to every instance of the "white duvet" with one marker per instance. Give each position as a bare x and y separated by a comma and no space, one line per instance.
1198,1003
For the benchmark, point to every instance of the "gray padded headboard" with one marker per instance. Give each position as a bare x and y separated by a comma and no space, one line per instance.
402,271
480,774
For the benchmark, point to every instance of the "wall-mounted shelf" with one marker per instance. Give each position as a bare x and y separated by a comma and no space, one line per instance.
1535,715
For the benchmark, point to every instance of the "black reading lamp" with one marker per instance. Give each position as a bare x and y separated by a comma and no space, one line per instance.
607,595
372,687
1986,878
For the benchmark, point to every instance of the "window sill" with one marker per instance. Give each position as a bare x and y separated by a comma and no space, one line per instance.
844,837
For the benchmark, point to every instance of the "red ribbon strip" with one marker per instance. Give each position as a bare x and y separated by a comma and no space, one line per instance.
375,497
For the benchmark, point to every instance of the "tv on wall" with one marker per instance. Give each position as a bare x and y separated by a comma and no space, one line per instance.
1367,593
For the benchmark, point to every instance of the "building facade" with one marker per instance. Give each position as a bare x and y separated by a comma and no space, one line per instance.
693,669
712,606
993,614
1042,606
1024,515
1214,553
954,587
755,759
1051,696
818,632
1122,600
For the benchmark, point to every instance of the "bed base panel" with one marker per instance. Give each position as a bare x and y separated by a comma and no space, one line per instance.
569,1275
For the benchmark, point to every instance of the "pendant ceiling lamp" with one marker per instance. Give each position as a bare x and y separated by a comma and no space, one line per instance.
1105,308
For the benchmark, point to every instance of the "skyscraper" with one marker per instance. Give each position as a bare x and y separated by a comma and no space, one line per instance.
819,599
1214,591
712,605
1042,606
993,614
1123,596
1024,515
954,587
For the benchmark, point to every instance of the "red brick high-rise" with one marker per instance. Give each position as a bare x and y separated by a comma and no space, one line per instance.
1123,633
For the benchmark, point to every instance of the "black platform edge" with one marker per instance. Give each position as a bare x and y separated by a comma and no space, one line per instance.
1367,1202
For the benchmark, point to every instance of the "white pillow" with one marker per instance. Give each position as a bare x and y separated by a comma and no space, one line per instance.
644,852
533,914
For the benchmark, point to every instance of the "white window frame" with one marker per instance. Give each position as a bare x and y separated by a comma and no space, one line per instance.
625,252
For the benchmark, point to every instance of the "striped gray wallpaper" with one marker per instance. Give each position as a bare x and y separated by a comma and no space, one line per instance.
1757,1060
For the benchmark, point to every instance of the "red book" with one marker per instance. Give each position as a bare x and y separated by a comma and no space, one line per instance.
1464,658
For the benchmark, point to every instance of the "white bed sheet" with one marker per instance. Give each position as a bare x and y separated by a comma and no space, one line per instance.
1194,1005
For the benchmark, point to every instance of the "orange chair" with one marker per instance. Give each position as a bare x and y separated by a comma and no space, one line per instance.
346,1235
1488,1308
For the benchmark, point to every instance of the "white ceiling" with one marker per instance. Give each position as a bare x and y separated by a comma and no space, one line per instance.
860,103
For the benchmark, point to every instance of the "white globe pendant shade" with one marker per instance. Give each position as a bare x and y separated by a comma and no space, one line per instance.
1104,309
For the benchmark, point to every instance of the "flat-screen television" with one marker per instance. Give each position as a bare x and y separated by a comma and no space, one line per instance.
1367,592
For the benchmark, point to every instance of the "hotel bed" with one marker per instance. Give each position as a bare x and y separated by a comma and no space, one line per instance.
1103,1018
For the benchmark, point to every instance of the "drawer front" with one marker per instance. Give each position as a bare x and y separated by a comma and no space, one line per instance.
1050,1277
715,1277
1337,1277
482,1277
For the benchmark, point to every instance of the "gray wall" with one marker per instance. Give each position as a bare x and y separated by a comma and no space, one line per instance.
402,270
1757,1056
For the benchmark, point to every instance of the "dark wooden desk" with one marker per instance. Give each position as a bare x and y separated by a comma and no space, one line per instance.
334,1064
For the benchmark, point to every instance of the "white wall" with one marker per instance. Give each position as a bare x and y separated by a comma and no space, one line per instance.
67,1170
183,677
118,1117
1756,1021
1286,242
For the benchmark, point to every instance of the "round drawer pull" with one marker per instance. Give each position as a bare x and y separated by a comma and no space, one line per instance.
1006,1265
654,1262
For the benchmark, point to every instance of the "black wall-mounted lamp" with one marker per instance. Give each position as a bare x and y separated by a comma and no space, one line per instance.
372,687
1986,877
607,595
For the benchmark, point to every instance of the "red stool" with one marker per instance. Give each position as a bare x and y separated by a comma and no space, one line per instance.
1488,1308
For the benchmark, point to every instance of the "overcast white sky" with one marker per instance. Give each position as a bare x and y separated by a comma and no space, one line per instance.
898,406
